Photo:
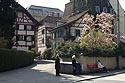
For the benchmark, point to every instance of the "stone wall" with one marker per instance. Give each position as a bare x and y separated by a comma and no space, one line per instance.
122,62
109,62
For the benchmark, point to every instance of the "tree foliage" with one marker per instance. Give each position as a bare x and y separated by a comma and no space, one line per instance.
3,43
96,39
67,49
7,18
47,54
97,32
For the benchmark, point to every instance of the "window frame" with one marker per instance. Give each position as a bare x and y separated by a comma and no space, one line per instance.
27,39
97,9
105,9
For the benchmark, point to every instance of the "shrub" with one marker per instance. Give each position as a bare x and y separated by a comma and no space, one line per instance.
11,59
47,54
97,51
67,49
3,43
120,50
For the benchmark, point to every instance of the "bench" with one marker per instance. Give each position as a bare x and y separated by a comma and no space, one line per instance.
93,67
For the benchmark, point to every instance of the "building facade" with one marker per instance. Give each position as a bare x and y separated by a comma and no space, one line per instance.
74,12
115,4
25,30
39,12
70,30
96,6
44,32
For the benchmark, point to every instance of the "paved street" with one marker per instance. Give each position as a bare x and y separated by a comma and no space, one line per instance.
39,72
120,78
43,72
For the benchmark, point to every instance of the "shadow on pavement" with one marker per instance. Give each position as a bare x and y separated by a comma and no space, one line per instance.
43,61
33,74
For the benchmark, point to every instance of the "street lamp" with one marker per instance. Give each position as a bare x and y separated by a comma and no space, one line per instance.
118,24
118,32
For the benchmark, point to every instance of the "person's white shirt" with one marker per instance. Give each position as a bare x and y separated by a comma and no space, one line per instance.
100,65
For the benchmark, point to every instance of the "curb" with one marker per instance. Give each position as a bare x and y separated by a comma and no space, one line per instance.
87,79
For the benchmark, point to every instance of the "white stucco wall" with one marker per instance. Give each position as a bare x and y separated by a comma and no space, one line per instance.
121,16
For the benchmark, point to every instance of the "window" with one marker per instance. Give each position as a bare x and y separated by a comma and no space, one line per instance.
111,11
42,31
97,8
46,13
77,32
112,30
20,14
51,13
43,41
29,38
21,38
105,9
21,27
58,15
29,28
73,32
113,22
101,1
56,34
36,12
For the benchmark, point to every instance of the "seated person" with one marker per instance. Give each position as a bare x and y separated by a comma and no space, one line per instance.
101,66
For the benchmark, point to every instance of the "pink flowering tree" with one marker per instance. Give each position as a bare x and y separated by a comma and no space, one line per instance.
97,31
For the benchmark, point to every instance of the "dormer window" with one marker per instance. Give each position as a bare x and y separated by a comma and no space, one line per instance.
112,11
105,9
97,8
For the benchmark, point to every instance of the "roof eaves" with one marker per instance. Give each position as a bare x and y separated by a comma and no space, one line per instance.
71,21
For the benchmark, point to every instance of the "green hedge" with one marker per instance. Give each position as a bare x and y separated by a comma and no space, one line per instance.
69,48
11,59
98,51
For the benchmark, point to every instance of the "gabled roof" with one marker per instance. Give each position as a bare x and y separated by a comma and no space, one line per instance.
50,19
76,17
22,9
73,18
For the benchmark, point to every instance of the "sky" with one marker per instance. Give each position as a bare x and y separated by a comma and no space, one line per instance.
47,3
53,3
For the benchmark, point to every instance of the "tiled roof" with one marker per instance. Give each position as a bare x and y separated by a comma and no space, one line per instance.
50,19
73,18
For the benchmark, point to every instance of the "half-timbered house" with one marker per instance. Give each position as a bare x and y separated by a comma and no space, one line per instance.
25,30
70,29
44,32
